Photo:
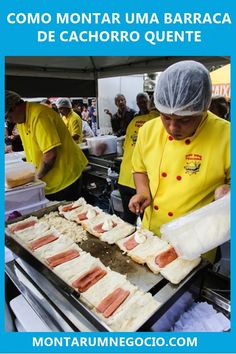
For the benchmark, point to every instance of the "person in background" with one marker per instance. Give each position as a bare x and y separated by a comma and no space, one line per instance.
48,145
121,119
85,114
71,119
12,137
87,131
220,107
126,182
93,116
77,109
182,160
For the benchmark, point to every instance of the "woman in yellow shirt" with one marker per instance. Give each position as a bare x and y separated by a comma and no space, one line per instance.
183,158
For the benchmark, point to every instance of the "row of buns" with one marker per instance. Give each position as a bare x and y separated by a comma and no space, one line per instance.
141,245
118,303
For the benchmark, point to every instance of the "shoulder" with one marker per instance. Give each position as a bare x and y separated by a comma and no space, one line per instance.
39,111
217,122
152,126
130,111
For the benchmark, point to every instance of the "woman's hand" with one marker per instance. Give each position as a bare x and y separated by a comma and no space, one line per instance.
221,191
139,202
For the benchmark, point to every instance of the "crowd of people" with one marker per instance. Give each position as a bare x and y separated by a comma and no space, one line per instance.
176,155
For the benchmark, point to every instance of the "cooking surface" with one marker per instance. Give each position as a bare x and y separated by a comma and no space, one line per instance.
70,308
113,257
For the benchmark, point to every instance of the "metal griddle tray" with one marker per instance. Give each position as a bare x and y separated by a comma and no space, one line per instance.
67,291
163,291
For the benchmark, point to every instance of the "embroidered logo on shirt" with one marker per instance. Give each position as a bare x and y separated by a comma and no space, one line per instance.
192,167
134,138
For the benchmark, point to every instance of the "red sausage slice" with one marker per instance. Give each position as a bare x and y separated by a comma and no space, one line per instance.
130,243
116,303
166,257
98,228
22,226
62,257
42,241
88,279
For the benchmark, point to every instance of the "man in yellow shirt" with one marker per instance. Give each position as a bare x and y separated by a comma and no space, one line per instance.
71,119
182,159
126,181
48,145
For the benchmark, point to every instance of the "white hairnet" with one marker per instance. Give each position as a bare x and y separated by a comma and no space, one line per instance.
183,89
63,102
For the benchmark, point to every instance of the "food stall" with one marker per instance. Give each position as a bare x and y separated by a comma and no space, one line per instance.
58,301
61,306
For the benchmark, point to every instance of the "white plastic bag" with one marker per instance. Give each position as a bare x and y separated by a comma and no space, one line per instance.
201,230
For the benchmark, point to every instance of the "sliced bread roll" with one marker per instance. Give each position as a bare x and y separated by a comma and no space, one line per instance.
70,210
179,269
138,237
22,225
119,231
87,213
132,313
62,244
104,287
152,246
34,232
72,270
89,224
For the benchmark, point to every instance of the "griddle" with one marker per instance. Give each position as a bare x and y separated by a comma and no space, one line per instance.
111,256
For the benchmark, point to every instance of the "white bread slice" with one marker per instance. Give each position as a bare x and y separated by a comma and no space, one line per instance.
89,224
119,231
153,246
144,233
61,245
133,313
32,233
105,286
178,269
18,223
91,213
73,269
78,203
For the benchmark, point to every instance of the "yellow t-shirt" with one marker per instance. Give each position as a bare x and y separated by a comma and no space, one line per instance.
74,125
183,174
126,175
42,131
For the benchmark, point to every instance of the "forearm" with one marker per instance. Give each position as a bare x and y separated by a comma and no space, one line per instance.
141,183
48,162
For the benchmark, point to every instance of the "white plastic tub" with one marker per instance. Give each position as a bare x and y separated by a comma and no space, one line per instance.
26,318
23,196
102,145
29,208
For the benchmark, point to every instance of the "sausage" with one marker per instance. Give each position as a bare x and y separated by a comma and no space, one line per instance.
88,279
69,207
116,303
42,241
62,257
92,281
22,226
82,216
166,257
108,300
98,228
130,243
